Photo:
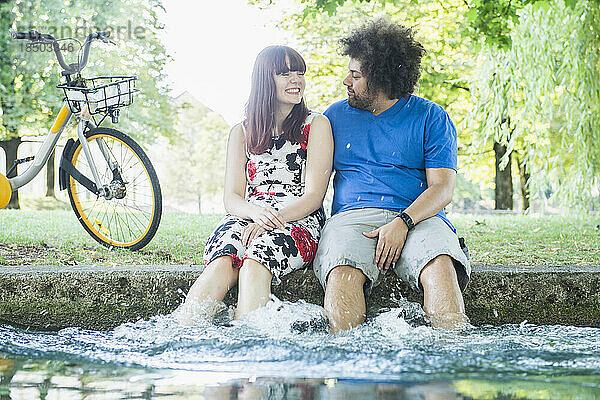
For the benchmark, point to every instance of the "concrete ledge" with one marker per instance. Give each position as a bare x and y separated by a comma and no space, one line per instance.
54,297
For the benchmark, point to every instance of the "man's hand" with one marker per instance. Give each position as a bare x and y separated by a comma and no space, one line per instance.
250,232
390,241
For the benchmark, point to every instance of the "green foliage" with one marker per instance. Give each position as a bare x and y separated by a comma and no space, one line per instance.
491,21
541,98
24,95
495,19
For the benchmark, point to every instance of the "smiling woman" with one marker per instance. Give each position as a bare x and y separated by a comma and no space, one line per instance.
277,89
274,190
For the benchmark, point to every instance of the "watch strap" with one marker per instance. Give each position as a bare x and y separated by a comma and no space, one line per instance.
407,220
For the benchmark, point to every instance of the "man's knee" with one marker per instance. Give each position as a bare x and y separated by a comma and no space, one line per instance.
438,271
346,276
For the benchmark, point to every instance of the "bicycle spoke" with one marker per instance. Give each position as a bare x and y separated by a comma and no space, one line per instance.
125,221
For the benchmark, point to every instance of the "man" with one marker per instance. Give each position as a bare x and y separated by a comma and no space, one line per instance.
395,168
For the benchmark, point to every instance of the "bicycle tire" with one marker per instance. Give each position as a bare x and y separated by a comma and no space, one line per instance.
128,222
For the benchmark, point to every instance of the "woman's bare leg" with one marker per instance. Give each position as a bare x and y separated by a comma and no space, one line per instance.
211,286
254,289
215,281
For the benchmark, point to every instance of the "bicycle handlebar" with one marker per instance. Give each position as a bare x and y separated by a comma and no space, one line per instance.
38,37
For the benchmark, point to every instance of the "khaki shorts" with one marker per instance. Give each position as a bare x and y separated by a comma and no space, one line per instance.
343,243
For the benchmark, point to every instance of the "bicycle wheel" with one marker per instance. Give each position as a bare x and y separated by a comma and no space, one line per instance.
129,216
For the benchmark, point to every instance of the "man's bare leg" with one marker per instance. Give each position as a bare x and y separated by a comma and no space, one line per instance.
254,289
345,298
443,301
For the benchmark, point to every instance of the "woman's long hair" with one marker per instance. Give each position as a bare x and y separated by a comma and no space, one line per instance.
260,109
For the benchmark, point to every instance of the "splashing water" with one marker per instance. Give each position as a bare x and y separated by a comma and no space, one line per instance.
291,341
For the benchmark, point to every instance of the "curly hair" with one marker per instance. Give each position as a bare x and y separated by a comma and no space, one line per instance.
390,56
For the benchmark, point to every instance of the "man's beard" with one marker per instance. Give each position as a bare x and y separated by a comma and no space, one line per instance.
363,101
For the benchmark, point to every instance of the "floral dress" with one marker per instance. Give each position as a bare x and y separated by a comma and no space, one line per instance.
274,178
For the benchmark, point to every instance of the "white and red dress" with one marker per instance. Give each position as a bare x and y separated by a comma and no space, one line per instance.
274,178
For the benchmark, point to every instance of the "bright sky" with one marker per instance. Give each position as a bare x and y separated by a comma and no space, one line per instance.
214,44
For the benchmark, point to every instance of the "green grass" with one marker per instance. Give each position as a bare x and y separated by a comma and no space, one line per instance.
55,237
530,240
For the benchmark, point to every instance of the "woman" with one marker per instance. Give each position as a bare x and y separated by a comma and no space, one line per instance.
279,161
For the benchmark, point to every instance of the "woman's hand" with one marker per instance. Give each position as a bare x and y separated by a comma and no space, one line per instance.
267,218
251,232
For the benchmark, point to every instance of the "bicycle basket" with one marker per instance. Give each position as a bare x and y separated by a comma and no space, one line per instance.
101,94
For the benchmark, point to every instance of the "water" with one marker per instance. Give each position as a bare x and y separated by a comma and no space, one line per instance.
284,352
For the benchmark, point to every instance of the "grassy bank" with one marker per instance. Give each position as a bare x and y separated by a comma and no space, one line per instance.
43,237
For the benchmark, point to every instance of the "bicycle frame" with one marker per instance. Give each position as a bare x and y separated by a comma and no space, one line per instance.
41,158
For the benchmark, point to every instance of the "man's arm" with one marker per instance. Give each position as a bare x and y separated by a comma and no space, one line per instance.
391,236
440,186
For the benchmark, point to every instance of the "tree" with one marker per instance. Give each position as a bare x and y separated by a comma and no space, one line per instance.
50,175
196,153
20,84
522,98
490,21
541,99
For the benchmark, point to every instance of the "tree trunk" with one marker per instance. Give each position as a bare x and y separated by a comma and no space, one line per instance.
10,147
524,179
504,186
50,172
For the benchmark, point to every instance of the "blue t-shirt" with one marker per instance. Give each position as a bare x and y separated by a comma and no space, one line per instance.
380,160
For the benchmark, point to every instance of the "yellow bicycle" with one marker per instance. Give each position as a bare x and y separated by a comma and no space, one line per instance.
111,183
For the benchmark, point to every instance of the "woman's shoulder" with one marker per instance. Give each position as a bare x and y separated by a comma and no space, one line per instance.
314,116
316,119
238,130
239,127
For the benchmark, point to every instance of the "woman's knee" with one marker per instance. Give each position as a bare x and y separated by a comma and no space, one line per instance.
221,266
253,269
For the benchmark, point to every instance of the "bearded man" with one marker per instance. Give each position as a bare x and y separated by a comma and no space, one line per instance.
395,167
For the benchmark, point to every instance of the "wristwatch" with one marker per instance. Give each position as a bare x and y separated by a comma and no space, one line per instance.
407,220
